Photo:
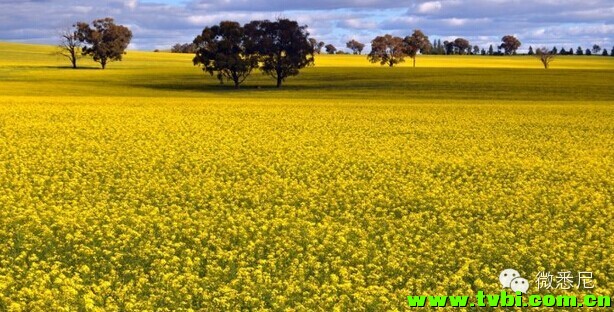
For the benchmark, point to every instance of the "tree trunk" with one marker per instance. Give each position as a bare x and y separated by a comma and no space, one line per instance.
73,59
414,62
279,80
279,76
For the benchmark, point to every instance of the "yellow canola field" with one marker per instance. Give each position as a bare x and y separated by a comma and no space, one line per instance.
140,204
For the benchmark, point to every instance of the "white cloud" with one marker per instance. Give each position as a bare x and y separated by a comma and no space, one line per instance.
159,23
456,21
429,7
131,4
357,23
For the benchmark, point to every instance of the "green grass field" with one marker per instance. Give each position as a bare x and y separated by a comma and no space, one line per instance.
149,186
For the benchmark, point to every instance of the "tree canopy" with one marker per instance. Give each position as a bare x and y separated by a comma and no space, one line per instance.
462,46
417,42
387,49
330,49
355,46
283,47
104,40
222,49
183,48
510,44
316,45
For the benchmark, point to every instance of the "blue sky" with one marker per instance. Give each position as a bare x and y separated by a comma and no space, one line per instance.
157,24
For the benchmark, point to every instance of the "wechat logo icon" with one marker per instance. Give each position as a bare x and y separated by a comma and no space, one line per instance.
510,278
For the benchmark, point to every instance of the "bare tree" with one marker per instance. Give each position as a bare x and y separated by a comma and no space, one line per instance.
69,46
545,56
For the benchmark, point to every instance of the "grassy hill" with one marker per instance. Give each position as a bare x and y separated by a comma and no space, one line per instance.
148,186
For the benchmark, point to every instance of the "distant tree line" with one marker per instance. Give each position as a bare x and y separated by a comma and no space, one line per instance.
355,47
184,48
595,50
390,50
280,48
103,40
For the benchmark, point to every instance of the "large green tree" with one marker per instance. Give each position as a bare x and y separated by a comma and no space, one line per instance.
388,50
282,46
510,44
462,46
330,49
104,40
355,46
417,42
221,50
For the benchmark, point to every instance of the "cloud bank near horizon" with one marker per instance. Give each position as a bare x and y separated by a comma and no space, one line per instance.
157,24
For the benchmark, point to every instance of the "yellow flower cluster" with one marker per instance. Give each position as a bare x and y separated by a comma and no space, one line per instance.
137,204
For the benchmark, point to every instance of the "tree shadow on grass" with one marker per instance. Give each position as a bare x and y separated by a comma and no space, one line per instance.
223,88
66,67
78,67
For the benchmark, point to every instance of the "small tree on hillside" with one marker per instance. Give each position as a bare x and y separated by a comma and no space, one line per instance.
330,49
545,56
462,46
355,46
530,51
70,46
104,41
221,49
317,46
417,42
183,48
387,50
596,49
579,51
510,44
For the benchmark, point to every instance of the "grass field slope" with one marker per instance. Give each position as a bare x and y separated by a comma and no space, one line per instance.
149,186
